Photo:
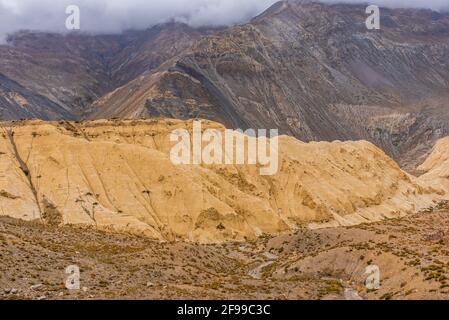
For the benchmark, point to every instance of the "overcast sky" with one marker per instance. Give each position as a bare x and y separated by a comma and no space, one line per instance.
107,16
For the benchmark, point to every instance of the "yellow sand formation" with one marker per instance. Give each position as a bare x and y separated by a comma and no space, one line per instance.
436,166
118,175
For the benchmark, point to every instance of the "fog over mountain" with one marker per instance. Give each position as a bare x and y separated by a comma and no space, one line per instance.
111,16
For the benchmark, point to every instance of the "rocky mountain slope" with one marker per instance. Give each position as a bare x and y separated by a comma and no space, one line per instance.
59,76
312,70
17,101
315,72
118,175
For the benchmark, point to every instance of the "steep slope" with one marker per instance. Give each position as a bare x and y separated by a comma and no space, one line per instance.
115,174
438,157
315,72
153,47
71,71
436,167
21,103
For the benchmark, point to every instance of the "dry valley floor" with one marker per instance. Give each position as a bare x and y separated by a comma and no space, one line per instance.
411,253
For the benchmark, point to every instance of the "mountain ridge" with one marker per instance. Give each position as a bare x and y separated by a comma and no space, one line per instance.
75,69
311,70
307,69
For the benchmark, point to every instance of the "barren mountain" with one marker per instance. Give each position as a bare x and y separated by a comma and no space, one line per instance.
312,70
18,102
58,76
118,175
104,193
69,71
315,72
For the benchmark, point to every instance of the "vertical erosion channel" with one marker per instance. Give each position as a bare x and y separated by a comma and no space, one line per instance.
26,171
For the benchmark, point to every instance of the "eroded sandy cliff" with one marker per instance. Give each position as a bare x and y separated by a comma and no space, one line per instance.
118,175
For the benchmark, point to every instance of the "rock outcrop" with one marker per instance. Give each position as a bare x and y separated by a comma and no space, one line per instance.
436,167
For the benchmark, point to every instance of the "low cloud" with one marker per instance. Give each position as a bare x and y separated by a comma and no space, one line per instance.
437,5
112,16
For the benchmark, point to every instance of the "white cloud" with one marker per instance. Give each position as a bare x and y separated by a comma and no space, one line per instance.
116,15
110,16
429,4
